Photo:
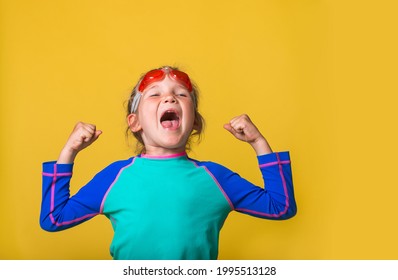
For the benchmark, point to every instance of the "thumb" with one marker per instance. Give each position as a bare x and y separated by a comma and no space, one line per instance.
238,135
97,134
228,127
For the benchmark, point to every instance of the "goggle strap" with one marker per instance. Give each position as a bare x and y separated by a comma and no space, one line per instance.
134,103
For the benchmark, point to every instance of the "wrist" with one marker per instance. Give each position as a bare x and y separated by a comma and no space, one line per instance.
67,156
261,146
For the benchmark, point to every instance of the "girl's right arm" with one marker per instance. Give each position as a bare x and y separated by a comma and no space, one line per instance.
58,210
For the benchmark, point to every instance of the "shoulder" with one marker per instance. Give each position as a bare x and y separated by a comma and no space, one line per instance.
121,163
213,167
116,166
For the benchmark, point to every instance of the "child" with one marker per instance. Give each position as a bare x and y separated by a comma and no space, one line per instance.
161,203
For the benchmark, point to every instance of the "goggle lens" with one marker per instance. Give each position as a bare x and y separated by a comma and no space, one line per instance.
156,76
159,74
182,78
151,77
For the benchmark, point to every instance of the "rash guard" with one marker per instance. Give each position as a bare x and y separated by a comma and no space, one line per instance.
166,207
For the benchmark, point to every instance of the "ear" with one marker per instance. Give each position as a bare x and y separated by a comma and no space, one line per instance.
133,122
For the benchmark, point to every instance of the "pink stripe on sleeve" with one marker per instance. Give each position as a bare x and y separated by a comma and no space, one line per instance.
274,162
217,183
284,185
57,174
52,194
75,220
113,183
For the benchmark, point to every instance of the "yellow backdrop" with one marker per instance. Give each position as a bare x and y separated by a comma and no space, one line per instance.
317,77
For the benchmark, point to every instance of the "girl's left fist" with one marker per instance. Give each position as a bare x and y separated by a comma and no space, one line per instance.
243,129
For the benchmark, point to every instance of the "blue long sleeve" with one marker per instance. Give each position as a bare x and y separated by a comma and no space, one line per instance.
59,210
274,201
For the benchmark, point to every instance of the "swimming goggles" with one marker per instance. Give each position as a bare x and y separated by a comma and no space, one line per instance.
156,76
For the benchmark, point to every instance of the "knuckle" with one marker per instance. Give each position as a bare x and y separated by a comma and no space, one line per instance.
80,126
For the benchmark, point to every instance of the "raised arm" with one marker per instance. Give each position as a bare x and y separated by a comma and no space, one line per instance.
275,200
58,210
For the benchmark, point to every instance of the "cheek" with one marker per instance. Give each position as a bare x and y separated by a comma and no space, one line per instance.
147,109
191,117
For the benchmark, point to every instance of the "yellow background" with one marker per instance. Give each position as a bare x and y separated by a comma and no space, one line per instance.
319,78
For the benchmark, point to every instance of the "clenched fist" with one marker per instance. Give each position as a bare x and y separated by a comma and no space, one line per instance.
244,129
82,136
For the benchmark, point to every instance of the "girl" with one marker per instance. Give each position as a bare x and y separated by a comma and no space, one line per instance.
161,203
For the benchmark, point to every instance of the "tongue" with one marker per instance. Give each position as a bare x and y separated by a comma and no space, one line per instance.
170,124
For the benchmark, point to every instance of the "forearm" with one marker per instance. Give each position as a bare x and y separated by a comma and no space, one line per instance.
261,146
66,156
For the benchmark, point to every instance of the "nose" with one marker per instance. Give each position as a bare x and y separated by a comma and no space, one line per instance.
170,98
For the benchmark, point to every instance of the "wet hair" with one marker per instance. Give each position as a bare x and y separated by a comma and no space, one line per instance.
199,122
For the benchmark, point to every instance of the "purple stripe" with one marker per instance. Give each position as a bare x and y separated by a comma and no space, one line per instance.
57,174
75,220
52,194
217,183
274,163
53,199
113,183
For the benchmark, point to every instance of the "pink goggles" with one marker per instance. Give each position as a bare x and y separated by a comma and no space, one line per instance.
156,76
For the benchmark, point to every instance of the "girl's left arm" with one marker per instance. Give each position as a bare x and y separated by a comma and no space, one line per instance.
274,201
244,130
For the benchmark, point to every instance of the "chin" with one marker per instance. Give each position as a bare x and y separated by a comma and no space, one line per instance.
173,143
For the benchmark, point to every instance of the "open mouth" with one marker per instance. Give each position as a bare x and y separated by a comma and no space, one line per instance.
170,119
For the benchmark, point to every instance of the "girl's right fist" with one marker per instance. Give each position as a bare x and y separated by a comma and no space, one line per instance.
82,136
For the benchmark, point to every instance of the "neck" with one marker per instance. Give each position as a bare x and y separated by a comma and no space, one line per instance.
163,153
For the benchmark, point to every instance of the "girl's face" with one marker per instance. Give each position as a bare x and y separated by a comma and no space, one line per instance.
165,117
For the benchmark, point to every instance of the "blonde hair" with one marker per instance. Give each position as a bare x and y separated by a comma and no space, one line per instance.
199,122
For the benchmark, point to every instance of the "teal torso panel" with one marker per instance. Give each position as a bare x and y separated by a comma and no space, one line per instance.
165,209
